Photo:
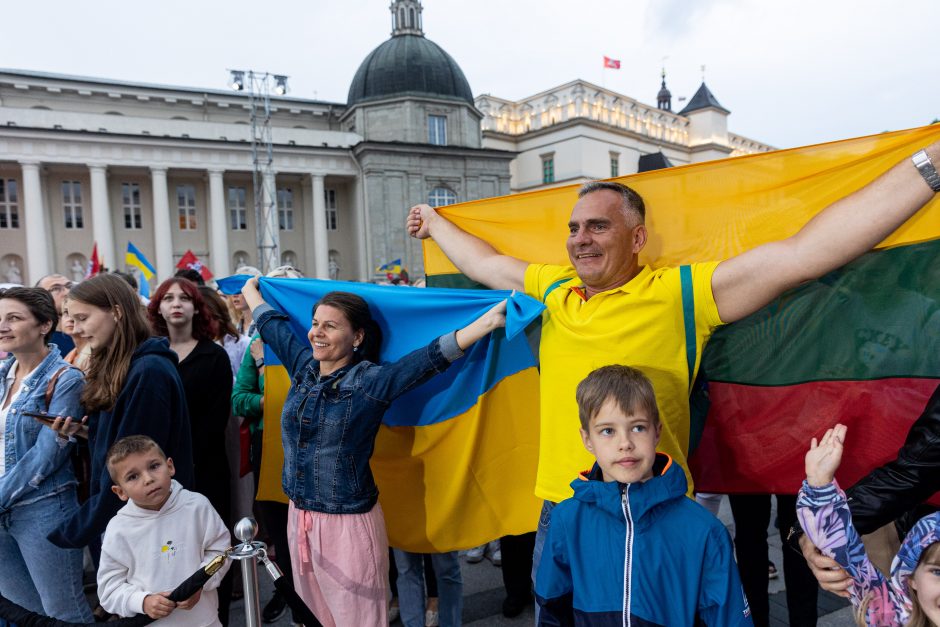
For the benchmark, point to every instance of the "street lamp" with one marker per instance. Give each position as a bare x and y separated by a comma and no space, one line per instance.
237,80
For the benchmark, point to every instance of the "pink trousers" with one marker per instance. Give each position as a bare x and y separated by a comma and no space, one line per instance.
340,564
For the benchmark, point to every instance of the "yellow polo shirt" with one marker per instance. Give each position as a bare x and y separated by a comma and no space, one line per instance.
639,324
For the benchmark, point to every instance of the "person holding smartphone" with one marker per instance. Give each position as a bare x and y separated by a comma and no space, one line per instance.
37,483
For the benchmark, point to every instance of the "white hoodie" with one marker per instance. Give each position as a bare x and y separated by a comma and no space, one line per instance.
146,552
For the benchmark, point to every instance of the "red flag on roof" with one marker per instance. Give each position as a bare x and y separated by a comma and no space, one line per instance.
191,262
94,264
613,64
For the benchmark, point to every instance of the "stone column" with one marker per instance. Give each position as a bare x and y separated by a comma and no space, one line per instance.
162,231
37,238
102,228
360,221
218,235
321,246
271,237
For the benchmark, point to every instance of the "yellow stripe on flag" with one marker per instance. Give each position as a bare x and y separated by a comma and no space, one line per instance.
451,485
707,211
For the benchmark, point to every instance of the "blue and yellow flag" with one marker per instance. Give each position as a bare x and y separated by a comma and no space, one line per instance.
133,257
452,472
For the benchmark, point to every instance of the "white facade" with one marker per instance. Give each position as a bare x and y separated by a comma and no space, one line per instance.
586,132
89,161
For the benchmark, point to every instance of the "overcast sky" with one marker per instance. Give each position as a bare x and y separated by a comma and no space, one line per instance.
792,72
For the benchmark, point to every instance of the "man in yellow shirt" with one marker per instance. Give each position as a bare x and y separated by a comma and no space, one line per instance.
609,309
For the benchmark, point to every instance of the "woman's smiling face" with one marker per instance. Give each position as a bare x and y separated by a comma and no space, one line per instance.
332,337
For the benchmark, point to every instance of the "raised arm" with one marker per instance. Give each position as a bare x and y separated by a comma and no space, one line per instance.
472,256
837,235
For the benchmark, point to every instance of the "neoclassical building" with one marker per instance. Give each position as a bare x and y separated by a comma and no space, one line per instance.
578,131
87,161
91,161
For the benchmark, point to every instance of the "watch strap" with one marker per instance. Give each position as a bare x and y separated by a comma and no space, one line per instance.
924,165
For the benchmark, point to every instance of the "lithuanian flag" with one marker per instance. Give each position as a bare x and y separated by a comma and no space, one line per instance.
861,345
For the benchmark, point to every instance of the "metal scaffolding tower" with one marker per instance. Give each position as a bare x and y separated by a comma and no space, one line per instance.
267,224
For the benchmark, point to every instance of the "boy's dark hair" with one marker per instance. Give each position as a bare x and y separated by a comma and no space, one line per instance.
629,387
39,302
192,275
125,447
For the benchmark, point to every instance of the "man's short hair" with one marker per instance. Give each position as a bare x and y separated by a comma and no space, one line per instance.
125,447
627,386
632,201
54,275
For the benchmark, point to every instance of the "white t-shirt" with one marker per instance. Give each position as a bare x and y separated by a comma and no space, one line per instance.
4,410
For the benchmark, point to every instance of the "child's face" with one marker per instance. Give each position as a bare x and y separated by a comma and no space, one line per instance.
926,581
144,478
624,445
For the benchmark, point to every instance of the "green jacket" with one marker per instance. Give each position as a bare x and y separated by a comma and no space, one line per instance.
249,390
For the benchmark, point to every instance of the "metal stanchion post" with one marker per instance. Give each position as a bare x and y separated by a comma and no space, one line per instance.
247,553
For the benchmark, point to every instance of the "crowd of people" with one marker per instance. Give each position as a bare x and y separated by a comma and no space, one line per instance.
122,423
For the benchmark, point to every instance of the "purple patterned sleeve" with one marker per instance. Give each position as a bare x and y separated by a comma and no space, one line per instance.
824,515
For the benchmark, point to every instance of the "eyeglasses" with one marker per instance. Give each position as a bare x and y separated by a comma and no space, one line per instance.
60,287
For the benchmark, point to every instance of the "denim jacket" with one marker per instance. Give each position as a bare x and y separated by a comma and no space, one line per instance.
329,423
37,460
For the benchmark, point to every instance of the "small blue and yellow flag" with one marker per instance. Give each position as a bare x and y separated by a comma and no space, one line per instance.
134,257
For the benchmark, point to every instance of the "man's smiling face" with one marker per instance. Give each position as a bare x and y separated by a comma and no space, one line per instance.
604,240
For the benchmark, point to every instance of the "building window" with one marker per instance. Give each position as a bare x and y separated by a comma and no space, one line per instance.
614,166
186,202
236,208
441,197
437,130
72,204
330,198
285,208
9,205
130,200
548,169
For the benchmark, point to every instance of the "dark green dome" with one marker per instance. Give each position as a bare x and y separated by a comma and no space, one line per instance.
409,65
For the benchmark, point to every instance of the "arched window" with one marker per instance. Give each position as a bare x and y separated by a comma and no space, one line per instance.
441,197
414,22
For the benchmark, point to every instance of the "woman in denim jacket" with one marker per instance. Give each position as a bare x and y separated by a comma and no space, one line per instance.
338,395
37,485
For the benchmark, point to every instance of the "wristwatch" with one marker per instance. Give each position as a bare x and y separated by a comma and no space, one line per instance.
925,166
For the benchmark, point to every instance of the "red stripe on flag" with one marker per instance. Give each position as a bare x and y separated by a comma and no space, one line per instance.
755,438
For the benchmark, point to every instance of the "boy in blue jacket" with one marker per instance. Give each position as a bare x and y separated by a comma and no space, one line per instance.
629,548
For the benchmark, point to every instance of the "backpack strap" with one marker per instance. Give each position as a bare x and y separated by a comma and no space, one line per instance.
50,388
688,317
551,288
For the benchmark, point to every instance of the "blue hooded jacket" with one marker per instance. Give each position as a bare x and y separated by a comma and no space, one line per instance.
152,403
639,554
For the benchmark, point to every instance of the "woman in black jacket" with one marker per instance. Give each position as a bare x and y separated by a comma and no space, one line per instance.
132,387
178,311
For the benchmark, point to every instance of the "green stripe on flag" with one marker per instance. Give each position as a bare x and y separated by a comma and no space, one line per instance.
875,318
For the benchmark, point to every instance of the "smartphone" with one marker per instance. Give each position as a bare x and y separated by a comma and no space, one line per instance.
47,420
41,417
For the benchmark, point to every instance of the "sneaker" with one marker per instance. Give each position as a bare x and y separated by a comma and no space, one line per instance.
432,618
475,554
494,553
274,609
771,570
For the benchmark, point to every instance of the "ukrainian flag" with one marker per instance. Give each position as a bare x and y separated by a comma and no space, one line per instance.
133,257
859,345
452,470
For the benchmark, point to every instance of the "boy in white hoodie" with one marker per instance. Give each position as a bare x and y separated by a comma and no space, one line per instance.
157,540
